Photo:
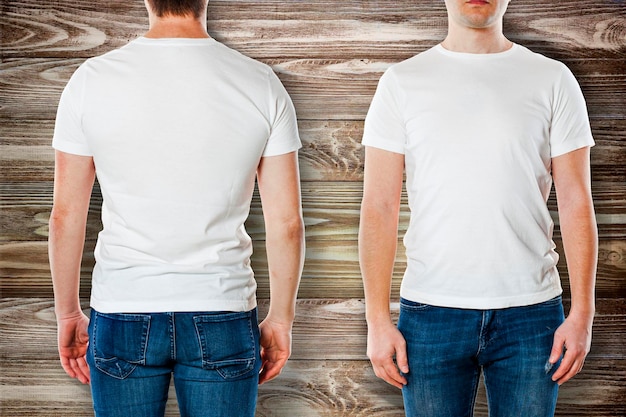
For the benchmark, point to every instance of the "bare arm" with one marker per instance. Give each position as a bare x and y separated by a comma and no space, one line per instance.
73,181
572,182
378,239
279,187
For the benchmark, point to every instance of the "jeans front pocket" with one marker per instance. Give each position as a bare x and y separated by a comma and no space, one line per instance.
119,342
228,342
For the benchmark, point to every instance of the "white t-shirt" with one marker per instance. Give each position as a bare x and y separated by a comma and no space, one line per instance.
176,128
478,132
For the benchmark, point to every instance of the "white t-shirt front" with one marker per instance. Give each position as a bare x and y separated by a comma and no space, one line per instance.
478,132
176,128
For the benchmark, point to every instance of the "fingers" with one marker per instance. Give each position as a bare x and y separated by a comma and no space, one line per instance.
73,340
270,370
386,349
402,360
388,371
557,349
82,370
76,368
571,364
275,349
273,360
572,353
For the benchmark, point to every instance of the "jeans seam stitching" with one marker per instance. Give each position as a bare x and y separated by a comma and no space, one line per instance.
146,338
172,328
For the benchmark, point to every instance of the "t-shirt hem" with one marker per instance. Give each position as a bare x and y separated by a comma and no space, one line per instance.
573,145
480,303
277,150
174,307
383,144
70,148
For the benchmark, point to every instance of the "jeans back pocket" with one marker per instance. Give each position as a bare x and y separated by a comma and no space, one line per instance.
119,342
228,342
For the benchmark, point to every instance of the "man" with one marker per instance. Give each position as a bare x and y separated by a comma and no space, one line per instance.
483,126
177,127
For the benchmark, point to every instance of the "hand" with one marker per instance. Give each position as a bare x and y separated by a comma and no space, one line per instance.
384,343
572,340
73,340
275,348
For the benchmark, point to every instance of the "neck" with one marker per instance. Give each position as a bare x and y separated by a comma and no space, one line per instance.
177,27
476,41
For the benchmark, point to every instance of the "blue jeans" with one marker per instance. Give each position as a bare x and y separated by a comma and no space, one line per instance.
214,358
448,348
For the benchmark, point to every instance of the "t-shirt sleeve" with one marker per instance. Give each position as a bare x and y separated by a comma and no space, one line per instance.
570,129
68,132
284,137
384,125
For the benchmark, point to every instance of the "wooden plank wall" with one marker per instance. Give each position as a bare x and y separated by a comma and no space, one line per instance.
329,55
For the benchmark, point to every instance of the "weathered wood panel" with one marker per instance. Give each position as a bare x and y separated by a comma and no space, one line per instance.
322,29
328,374
329,54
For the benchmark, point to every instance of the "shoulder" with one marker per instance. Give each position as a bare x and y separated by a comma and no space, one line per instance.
242,62
424,64
539,62
416,62
94,65
115,54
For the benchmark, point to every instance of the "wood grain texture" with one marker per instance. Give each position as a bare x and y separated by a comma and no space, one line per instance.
319,28
328,374
329,55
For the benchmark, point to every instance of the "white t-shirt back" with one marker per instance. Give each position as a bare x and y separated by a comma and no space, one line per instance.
478,132
176,128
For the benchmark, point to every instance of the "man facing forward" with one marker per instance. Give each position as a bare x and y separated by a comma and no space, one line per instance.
483,128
